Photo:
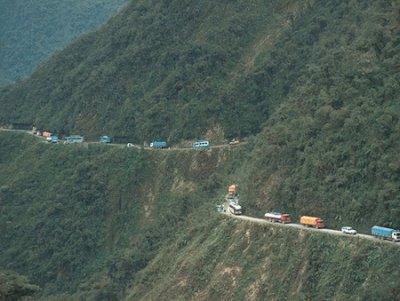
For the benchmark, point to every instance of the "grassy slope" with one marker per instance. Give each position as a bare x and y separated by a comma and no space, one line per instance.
31,32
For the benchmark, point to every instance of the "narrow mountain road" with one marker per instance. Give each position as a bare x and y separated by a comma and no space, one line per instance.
16,131
301,227
240,217
137,146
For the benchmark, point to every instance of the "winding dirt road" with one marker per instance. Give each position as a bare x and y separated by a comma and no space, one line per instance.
240,217
136,146
301,227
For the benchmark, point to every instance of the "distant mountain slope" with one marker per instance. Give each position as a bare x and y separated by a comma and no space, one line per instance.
318,82
174,69
32,30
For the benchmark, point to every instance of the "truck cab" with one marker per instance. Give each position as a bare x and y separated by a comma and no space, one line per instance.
235,209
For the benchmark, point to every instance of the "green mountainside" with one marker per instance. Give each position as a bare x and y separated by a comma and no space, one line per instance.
14,286
110,223
311,87
174,69
31,30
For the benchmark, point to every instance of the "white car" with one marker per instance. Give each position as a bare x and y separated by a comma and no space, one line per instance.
234,142
349,230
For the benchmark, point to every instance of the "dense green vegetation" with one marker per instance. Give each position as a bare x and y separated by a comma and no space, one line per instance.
313,88
112,223
72,215
13,286
173,69
32,31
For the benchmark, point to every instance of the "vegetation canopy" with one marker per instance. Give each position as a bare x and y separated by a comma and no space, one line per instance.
311,86
32,31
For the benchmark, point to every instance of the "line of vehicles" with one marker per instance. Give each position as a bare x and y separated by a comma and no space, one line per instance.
53,138
163,144
72,139
75,139
318,223
231,205
156,144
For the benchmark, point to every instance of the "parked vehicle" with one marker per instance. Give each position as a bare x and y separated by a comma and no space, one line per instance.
52,139
73,139
277,217
201,144
46,134
348,230
232,190
234,142
158,144
235,208
311,221
105,139
385,233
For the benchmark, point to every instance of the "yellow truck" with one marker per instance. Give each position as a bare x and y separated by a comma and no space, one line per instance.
311,221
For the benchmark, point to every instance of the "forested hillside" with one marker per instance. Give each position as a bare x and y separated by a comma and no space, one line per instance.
173,69
33,30
110,223
311,86
319,82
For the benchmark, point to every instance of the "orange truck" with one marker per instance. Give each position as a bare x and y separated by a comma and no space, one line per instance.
46,134
312,221
232,190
